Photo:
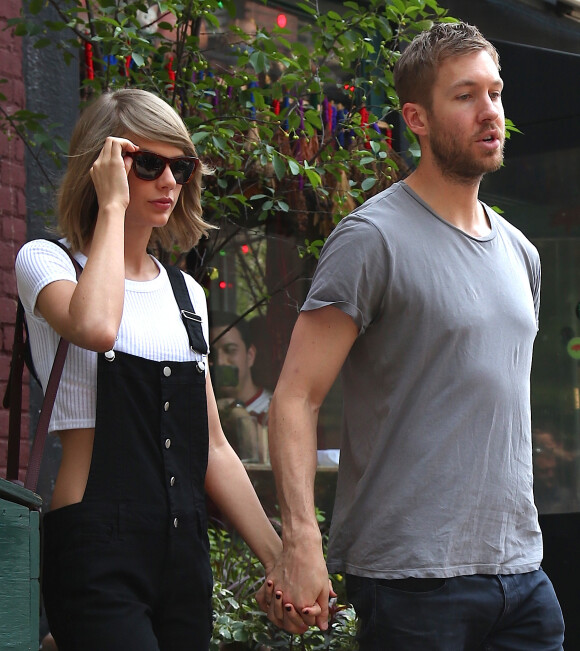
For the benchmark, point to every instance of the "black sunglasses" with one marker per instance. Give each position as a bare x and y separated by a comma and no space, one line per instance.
149,166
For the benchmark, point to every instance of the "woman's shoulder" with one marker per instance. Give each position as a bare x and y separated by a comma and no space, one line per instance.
39,263
40,252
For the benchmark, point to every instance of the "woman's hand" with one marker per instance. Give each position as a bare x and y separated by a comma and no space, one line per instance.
109,173
284,614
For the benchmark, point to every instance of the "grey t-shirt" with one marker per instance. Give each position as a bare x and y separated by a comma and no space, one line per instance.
435,476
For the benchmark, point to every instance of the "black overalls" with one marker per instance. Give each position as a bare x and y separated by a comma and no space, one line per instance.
128,567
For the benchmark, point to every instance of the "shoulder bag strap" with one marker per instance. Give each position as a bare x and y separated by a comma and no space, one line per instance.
191,320
37,450
13,396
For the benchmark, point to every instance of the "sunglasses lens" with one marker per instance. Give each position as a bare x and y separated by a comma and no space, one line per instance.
148,166
182,169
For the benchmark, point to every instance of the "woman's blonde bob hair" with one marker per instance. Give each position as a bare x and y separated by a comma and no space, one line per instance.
125,113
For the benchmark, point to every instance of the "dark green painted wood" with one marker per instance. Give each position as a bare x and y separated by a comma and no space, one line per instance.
19,570
15,493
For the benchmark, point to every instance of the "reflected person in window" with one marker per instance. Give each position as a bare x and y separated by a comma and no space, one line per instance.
243,404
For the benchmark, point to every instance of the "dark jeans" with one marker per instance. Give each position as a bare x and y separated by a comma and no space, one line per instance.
518,612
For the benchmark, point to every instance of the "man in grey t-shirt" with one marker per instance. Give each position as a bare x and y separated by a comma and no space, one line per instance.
428,301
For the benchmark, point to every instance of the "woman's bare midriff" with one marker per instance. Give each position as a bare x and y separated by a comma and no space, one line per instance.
71,481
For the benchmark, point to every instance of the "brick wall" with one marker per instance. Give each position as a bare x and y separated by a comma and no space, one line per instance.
12,210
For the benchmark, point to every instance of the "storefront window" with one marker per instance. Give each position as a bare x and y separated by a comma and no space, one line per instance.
539,194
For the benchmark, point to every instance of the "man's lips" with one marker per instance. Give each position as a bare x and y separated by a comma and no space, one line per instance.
488,136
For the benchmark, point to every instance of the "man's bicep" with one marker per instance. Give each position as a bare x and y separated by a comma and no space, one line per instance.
320,343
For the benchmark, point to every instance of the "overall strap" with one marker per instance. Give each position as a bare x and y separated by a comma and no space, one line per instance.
191,320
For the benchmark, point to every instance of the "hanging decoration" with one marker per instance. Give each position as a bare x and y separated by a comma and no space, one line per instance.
89,65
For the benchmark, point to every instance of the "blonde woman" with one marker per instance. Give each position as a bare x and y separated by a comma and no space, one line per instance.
125,551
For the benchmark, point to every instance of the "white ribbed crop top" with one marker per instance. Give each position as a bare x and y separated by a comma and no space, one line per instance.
151,327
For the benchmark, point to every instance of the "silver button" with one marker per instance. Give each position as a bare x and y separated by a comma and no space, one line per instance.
200,367
110,355
172,481
168,443
175,522
166,371
166,406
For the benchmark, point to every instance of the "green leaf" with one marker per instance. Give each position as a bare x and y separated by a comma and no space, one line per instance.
42,42
294,167
213,20
240,635
307,8
199,136
258,61
279,167
35,6
368,183
313,177
138,59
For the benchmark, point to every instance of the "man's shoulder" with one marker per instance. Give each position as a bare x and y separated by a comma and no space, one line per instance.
384,203
385,214
513,233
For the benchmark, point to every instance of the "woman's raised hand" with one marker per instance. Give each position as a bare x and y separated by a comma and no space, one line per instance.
109,172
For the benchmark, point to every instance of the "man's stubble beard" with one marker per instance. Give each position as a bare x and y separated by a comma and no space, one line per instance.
458,164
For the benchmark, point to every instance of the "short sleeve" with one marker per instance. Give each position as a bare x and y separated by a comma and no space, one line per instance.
352,273
38,264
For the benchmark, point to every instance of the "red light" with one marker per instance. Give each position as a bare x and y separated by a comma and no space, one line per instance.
281,20
223,284
245,249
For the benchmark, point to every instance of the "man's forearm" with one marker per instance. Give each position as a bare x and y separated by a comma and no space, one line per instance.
292,438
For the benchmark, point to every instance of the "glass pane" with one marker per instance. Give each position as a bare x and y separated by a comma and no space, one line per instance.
540,194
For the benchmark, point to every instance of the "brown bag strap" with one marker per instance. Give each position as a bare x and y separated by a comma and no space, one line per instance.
37,449
13,396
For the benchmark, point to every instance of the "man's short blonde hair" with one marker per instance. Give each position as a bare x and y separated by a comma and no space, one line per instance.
416,70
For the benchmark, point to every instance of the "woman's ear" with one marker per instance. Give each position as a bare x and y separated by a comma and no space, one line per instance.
415,117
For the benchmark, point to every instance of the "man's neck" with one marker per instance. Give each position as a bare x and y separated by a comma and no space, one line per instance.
248,392
456,202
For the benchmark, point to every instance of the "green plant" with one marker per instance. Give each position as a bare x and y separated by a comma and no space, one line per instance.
256,103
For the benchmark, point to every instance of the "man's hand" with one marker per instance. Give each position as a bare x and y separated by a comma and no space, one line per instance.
296,591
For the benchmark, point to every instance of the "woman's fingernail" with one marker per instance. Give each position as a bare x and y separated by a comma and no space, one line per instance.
278,595
288,608
269,584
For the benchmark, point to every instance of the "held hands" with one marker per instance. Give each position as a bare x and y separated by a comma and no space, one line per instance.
109,172
296,592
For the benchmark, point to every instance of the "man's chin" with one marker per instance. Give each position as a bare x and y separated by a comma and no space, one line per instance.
225,392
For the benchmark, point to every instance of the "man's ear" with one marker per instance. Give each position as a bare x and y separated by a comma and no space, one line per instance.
415,117
251,353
